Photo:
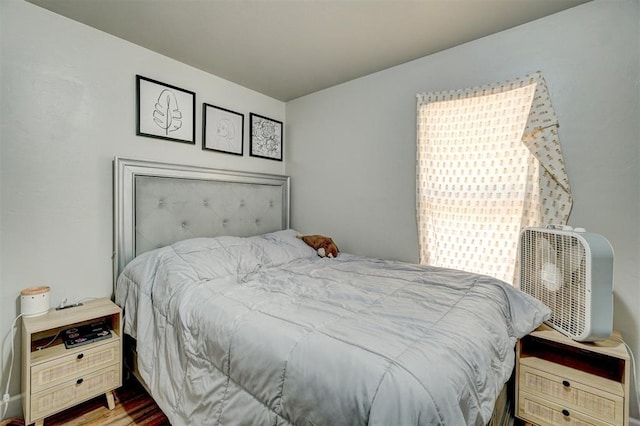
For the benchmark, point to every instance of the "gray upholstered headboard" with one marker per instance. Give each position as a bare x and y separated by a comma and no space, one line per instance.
156,204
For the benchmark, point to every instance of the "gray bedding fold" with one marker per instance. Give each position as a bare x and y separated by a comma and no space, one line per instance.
261,330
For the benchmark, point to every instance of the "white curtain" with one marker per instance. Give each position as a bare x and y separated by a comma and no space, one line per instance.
488,164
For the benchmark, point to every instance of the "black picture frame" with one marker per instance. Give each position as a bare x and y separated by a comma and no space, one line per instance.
266,137
164,111
222,130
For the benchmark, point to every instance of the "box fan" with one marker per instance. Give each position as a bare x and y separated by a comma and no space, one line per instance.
570,271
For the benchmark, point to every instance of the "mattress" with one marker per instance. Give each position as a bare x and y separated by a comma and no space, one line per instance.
261,330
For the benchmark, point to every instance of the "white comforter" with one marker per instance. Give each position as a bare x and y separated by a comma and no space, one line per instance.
261,330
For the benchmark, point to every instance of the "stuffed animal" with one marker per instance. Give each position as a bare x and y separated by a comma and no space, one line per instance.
324,245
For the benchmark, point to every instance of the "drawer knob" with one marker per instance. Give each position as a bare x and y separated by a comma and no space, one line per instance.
566,383
80,356
566,413
79,381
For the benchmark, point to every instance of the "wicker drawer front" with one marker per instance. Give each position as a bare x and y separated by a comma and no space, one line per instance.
52,372
575,395
74,391
546,413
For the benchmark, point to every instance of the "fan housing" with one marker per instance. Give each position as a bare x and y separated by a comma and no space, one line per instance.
570,271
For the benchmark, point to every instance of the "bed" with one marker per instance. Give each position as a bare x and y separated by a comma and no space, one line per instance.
238,321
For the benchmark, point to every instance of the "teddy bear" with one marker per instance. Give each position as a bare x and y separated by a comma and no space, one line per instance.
324,245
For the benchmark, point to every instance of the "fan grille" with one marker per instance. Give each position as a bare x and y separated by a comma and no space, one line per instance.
553,270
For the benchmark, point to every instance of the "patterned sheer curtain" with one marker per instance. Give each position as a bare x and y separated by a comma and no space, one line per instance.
488,164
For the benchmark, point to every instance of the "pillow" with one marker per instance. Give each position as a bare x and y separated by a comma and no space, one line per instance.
277,248
218,256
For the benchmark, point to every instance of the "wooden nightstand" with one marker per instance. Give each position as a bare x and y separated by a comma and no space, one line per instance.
561,381
55,378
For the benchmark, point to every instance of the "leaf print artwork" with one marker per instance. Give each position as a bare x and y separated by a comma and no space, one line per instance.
164,111
167,114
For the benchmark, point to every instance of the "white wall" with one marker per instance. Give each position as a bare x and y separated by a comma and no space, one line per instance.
68,107
351,148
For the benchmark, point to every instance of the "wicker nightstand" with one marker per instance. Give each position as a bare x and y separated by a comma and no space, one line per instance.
55,378
561,381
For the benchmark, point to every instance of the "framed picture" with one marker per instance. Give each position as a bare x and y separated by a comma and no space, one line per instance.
266,137
165,111
222,130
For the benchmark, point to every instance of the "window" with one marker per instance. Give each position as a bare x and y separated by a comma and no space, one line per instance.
480,178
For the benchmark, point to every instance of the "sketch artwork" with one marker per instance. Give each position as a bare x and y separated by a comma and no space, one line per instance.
167,114
266,137
223,130
165,111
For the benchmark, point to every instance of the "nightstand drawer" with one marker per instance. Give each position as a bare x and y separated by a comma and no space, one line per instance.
597,397
74,391
560,381
52,372
546,413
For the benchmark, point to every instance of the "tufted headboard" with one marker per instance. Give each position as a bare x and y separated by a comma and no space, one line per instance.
156,204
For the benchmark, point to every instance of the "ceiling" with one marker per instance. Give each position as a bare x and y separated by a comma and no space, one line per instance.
289,48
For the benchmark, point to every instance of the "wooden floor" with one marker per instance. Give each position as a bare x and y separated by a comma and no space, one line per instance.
133,407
